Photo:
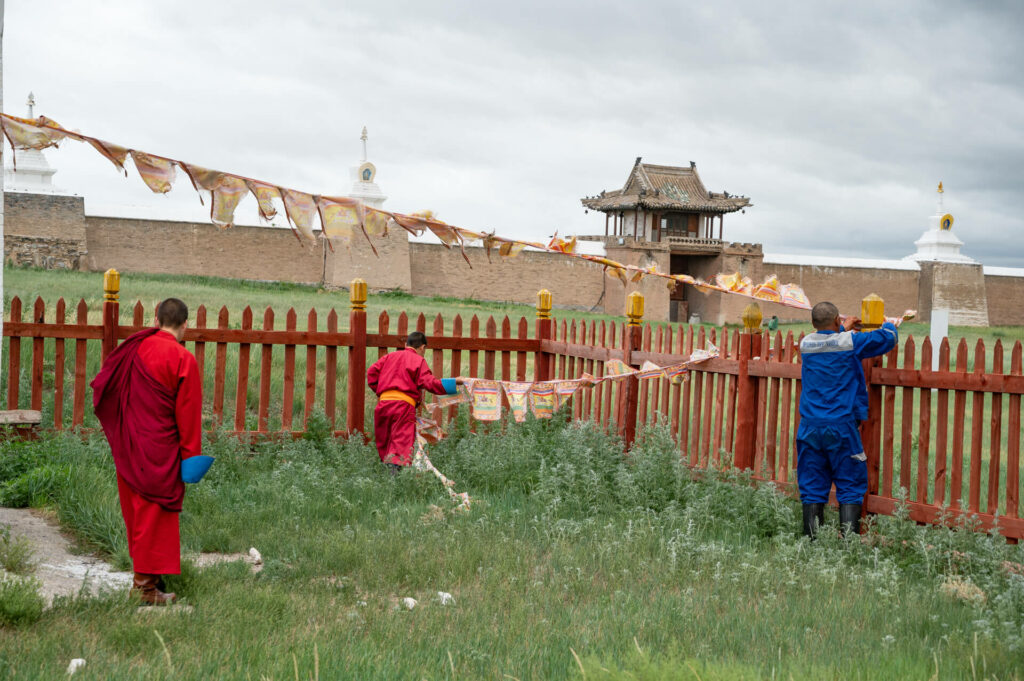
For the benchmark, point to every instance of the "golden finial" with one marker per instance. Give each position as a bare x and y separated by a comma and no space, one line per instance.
940,187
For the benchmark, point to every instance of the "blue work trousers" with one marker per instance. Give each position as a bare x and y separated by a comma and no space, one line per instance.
827,453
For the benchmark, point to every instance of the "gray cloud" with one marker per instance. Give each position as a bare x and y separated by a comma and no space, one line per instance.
837,119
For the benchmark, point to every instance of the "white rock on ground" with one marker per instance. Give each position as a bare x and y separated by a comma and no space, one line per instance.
409,603
75,665
257,559
445,598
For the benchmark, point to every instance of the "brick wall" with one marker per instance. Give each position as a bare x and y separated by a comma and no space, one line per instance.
388,270
262,253
1005,300
437,271
846,287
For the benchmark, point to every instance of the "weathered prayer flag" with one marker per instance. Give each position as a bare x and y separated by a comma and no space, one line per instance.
28,134
542,400
265,195
158,173
518,394
341,217
486,400
564,390
649,370
300,209
112,152
616,368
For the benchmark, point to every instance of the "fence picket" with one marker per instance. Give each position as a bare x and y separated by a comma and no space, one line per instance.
977,432
888,428
331,373
924,425
220,369
81,345
1013,441
14,357
36,396
266,363
906,431
288,398
524,334
941,429
242,387
309,394
58,368
995,441
959,411
199,347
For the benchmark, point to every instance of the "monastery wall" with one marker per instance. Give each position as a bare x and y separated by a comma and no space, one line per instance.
1005,300
846,287
261,253
42,230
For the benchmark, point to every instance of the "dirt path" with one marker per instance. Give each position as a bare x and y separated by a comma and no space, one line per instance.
61,572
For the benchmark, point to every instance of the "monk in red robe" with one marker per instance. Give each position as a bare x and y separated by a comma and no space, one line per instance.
399,378
148,398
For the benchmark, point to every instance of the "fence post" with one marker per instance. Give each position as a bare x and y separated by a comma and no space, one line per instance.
111,311
543,362
872,314
630,390
356,402
747,386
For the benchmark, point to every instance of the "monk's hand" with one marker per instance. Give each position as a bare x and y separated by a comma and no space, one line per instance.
851,323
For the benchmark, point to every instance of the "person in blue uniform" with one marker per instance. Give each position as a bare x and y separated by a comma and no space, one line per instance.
833,399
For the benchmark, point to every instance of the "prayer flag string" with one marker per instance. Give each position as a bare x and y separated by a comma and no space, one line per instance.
342,218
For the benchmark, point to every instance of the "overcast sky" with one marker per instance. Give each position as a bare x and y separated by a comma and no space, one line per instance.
837,119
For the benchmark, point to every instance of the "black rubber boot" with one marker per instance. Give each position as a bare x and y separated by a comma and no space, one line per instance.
814,517
849,519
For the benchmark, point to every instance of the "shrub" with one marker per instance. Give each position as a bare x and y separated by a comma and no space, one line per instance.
20,602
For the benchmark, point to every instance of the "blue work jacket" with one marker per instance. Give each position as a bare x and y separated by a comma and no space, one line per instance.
833,378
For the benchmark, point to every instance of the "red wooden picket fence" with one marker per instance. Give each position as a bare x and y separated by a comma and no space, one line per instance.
950,438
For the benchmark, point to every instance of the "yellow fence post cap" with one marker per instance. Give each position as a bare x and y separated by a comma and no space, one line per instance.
635,308
751,318
357,294
544,304
111,284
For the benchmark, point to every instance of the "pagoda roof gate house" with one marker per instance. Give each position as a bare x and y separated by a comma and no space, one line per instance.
667,214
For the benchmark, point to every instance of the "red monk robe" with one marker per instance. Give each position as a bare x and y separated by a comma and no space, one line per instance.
398,379
148,397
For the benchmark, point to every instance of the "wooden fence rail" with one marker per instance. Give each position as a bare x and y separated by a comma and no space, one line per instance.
947,441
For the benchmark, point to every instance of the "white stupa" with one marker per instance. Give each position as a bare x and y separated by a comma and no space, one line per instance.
364,186
30,172
938,243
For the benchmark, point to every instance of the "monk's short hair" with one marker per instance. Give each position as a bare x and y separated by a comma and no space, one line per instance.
172,313
416,339
823,314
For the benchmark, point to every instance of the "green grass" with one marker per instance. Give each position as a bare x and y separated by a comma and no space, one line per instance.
637,566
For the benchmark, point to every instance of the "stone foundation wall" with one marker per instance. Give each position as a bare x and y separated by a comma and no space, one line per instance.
48,253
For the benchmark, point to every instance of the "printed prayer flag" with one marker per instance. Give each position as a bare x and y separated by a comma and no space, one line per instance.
564,390
649,370
28,134
300,208
794,296
428,429
676,373
341,217
225,191
112,152
265,195
375,222
518,394
486,400
616,368
158,173
542,400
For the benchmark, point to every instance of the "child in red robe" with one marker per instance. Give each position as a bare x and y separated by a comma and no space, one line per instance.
398,379
148,398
